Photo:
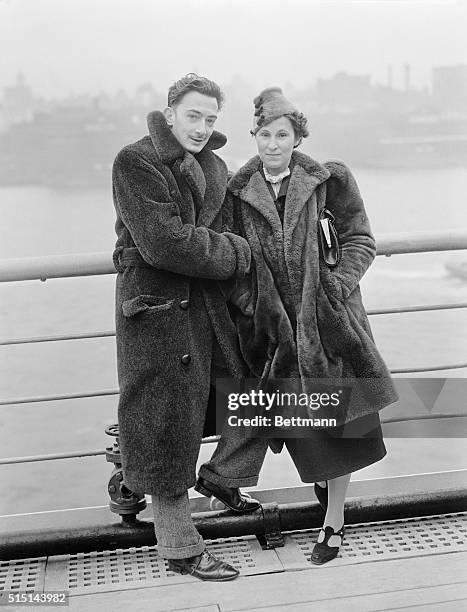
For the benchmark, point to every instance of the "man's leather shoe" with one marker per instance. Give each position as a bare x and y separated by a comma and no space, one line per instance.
205,567
229,496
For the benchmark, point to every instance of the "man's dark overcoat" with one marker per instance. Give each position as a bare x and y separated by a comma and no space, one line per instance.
309,321
170,255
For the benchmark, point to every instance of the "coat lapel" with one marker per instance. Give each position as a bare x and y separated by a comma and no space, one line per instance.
205,173
257,194
250,186
193,174
301,187
215,171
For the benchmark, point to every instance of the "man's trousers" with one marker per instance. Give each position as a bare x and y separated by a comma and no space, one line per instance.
236,462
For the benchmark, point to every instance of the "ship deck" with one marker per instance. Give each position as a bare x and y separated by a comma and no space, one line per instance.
417,563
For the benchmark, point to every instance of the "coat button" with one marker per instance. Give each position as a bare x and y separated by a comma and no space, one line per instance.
184,304
186,359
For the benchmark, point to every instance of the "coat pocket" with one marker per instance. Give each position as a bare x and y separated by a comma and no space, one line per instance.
146,305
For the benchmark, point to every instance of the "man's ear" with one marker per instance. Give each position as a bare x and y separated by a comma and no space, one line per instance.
169,115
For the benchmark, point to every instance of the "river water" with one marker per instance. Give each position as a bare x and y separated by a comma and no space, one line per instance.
39,221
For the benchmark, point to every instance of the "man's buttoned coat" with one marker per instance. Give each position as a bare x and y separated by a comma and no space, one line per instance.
171,257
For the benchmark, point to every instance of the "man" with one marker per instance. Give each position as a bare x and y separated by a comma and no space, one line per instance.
174,333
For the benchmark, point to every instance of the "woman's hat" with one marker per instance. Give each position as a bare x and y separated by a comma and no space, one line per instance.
271,104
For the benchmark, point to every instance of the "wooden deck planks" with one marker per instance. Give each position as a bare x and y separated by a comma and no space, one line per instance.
394,600
390,580
448,606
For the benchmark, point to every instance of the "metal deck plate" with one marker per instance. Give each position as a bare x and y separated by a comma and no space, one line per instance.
25,575
135,568
381,541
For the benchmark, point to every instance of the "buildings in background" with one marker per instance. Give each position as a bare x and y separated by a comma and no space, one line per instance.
450,87
73,141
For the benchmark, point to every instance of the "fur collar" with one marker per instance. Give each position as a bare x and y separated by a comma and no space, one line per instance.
246,172
167,146
205,173
249,185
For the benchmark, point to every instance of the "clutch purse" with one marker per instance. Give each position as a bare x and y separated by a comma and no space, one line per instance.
327,236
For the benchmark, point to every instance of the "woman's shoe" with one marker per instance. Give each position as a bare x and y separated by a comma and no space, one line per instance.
322,496
322,553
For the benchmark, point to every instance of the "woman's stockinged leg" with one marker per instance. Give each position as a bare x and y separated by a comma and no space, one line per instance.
337,491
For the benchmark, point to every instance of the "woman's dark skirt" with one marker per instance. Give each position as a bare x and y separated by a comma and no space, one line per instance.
328,454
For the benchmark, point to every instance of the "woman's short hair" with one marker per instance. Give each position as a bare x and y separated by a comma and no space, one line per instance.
300,125
194,82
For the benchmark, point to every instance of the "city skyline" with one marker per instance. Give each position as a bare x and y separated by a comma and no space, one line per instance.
106,46
404,85
21,80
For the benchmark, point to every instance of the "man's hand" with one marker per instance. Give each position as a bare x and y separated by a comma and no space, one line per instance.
243,300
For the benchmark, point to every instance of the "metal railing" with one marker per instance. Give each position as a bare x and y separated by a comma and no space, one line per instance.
110,333
89,264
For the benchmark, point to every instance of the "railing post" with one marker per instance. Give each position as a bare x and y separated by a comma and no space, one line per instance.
123,501
272,537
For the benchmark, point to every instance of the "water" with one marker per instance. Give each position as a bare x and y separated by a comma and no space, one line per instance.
38,221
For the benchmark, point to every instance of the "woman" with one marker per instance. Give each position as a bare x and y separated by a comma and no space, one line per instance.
299,313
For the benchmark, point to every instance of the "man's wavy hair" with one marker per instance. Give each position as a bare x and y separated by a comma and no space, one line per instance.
193,82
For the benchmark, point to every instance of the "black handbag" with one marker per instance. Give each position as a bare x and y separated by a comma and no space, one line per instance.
328,240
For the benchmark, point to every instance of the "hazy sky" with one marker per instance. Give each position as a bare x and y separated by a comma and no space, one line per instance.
87,45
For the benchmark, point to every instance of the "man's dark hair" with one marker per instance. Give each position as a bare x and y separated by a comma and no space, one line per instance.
193,82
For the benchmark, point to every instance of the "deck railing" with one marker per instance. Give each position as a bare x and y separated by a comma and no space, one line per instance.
89,264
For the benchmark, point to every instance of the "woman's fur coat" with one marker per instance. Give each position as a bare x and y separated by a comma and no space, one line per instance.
308,319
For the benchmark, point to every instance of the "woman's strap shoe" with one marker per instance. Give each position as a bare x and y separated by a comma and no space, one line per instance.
205,567
231,497
322,552
322,496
